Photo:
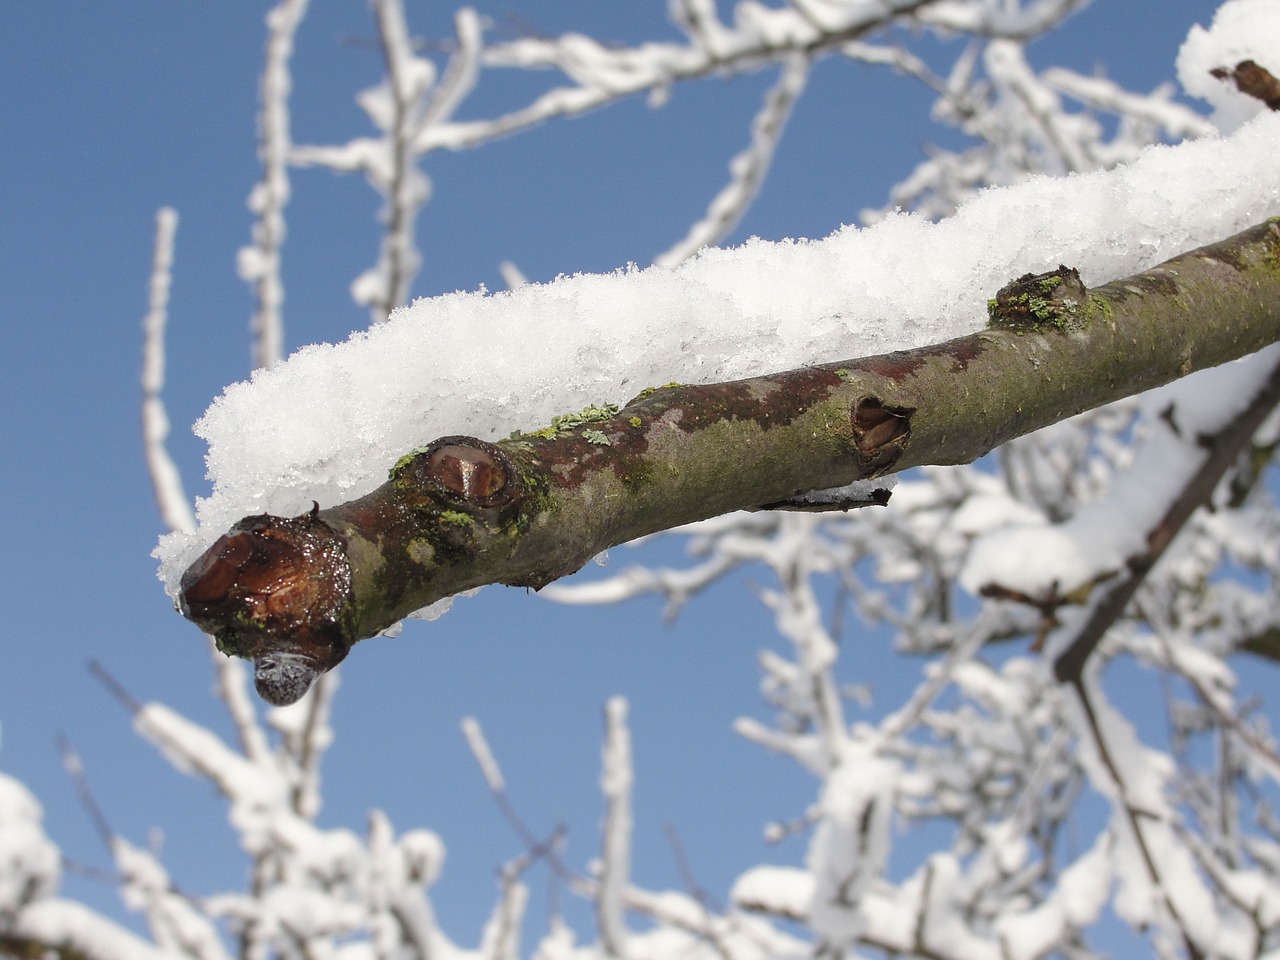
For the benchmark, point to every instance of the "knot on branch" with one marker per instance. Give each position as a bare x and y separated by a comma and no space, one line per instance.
271,577
461,472
1037,302
462,490
880,434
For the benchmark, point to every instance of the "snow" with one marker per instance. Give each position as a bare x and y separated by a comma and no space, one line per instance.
326,424
785,891
1074,904
1156,877
29,862
1241,30
78,931
850,846
616,779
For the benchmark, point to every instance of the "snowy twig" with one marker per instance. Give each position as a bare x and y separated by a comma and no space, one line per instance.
1139,817
492,773
259,264
1221,452
615,855
747,169
405,190
900,721
1177,121
165,479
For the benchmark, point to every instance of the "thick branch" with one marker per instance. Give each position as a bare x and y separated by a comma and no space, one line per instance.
294,594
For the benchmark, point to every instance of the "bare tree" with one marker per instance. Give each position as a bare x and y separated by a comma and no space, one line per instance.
1112,534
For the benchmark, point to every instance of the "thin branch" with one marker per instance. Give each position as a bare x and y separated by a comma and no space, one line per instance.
940,676
1135,816
748,169
1177,121
615,855
405,189
306,749
605,76
175,509
1222,451
260,264
492,773
1228,722
691,885
75,770
229,682
115,687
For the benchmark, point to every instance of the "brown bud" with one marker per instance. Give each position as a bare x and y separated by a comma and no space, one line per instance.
463,471
879,433
470,472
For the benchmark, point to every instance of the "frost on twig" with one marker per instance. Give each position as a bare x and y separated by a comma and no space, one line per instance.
259,264
748,169
415,108
166,481
413,98
615,857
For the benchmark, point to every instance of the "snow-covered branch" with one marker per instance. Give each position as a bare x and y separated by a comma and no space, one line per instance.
294,594
166,481
259,264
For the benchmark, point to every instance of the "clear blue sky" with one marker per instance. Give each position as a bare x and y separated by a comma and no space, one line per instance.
112,110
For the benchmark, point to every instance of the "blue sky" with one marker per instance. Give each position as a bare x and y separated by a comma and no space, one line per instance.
112,110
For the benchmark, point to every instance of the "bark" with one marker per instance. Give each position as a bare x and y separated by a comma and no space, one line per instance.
294,594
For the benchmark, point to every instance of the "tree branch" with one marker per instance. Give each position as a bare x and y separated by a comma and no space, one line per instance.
1222,451
294,594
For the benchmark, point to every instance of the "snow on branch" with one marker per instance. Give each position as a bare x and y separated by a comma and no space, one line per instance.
259,264
615,858
36,922
327,424
986,745
175,508
293,594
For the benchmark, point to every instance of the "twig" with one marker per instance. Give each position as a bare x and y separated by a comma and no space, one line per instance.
116,689
260,263
1222,449
492,774
75,770
695,889
1134,815
748,169
615,855
165,479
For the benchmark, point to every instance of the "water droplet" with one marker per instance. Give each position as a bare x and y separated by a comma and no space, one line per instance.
282,678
